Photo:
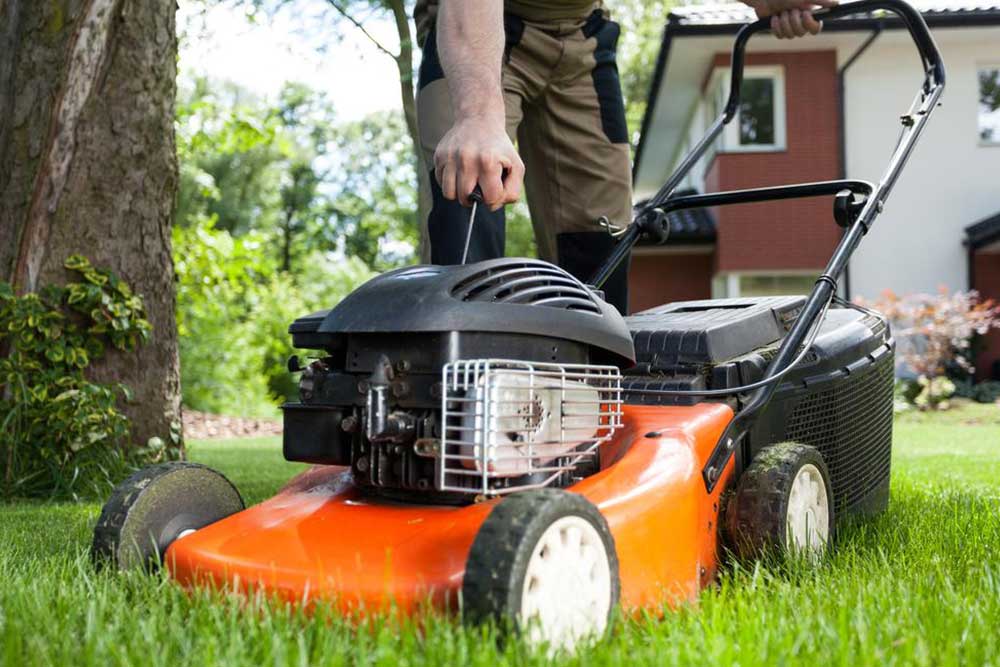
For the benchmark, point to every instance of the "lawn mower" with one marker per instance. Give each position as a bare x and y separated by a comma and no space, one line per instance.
495,438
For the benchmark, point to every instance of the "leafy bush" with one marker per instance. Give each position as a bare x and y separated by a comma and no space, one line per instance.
60,434
233,310
982,392
935,331
933,341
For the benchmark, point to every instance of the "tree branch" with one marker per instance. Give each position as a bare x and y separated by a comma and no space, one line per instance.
357,24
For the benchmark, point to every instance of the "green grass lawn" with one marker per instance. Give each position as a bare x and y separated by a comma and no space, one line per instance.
918,585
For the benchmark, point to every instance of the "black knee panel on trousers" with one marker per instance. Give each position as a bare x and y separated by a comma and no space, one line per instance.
448,225
582,253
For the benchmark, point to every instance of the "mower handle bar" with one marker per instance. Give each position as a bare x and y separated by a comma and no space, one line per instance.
856,215
930,58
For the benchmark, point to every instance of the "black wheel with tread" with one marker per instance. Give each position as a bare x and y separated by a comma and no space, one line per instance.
782,504
543,564
153,507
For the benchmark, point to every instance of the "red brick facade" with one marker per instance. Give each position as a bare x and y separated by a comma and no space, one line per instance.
986,269
797,234
656,278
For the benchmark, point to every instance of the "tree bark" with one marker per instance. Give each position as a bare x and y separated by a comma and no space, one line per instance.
88,165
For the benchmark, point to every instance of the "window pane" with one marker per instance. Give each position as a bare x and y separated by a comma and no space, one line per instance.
775,285
757,112
989,104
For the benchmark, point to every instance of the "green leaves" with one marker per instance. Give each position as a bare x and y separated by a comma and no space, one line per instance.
58,430
233,310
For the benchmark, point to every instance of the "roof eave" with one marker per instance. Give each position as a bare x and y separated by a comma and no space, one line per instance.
983,233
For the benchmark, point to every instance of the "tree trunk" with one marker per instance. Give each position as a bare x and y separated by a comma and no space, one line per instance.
88,166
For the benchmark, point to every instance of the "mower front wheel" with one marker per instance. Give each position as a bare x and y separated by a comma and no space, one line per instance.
783,504
156,506
543,565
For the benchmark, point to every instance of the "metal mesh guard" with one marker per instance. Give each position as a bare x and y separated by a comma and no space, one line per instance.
515,425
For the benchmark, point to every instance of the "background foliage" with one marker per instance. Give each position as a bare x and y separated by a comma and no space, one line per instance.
934,336
234,305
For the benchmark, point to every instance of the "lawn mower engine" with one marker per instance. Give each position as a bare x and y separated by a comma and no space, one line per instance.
417,392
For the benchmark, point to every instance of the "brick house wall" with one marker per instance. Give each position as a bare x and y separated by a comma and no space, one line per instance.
795,234
656,278
986,269
774,236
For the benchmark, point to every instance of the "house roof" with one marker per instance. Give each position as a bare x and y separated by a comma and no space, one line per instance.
983,233
714,24
735,13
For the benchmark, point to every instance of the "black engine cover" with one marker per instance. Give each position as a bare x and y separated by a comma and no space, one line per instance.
515,296
400,329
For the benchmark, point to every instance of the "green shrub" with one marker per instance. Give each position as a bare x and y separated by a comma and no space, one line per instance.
982,392
61,434
233,310
217,290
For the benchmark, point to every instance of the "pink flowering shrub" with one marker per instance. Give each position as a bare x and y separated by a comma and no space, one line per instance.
934,332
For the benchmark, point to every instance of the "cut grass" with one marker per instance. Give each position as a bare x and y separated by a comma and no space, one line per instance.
918,585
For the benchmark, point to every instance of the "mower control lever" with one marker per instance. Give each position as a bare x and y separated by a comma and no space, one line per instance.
477,198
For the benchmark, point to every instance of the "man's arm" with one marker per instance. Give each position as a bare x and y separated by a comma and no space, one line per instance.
476,149
790,18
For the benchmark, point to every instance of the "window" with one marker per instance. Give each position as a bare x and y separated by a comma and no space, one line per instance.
757,112
762,284
760,124
779,285
989,105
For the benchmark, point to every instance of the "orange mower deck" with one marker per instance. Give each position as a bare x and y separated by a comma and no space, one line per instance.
321,538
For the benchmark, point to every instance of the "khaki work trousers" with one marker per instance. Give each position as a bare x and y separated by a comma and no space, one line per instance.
564,109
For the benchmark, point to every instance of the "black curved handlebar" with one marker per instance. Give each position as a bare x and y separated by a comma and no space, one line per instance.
912,19
856,212
930,57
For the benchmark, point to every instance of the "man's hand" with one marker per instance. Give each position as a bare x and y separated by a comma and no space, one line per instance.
478,150
791,18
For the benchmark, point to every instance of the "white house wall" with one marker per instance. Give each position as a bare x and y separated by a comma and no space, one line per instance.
950,182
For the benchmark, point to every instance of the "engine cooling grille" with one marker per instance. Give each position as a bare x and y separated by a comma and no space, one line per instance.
513,425
528,283
851,425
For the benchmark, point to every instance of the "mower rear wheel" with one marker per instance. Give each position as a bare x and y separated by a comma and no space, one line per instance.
156,506
544,565
783,504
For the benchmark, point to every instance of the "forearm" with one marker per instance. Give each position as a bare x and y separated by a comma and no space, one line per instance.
470,46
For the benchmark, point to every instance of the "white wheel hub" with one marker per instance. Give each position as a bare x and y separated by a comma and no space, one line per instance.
567,587
808,518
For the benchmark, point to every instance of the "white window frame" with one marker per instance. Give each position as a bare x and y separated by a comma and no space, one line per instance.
979,67
730,138
727,285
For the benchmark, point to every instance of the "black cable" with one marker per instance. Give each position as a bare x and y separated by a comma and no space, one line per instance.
729,391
